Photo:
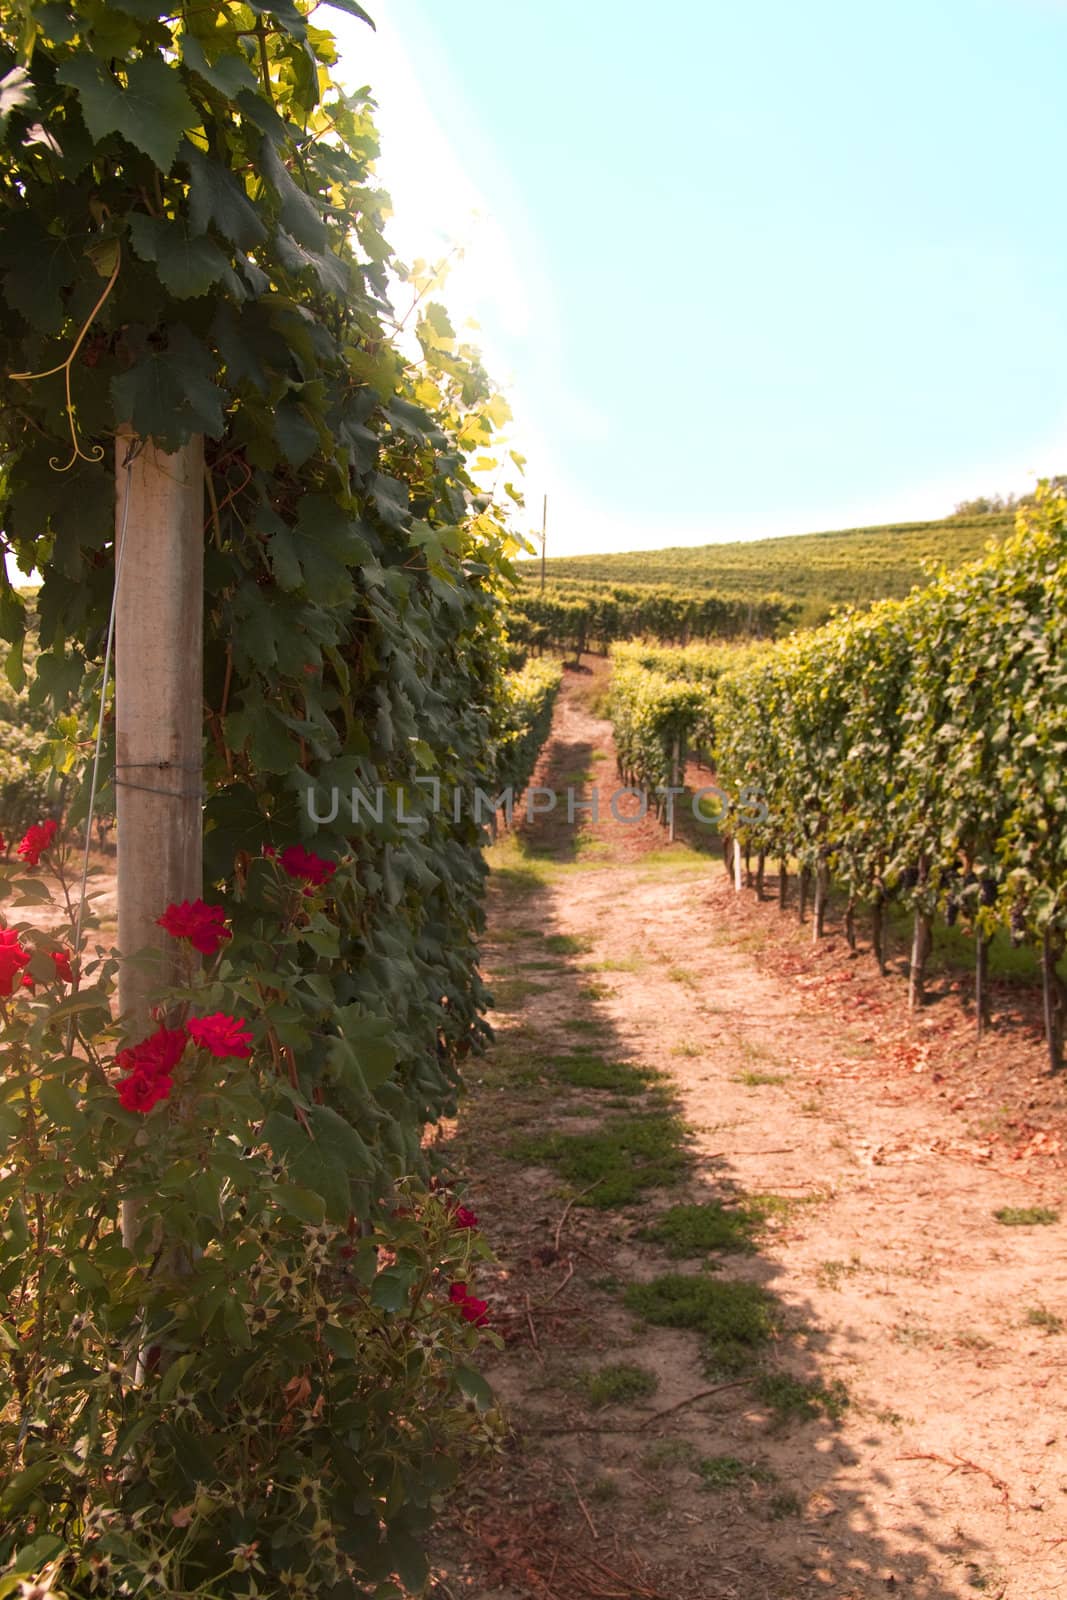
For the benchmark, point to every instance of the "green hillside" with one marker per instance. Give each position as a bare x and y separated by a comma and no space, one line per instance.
816,569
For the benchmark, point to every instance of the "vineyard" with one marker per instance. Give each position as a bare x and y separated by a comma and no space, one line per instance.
573,618
911,753
752,586
454,1197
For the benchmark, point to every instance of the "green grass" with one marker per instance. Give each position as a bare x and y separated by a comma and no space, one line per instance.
586,1025
726,1472
1026,1216
595,991
622,1161
668,1453
567,944
509,994
1039,1317
829,1274
800,1399
583,1071
694,1230
735,1319
618,1383
754,1080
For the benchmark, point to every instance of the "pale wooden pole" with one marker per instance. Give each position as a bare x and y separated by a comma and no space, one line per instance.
544,538
158,706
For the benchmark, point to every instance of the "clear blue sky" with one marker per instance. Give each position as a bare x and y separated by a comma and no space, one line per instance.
784,266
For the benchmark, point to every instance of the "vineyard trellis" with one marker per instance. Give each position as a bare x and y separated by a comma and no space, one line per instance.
912,752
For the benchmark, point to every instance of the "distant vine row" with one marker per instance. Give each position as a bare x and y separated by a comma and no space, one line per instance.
915,752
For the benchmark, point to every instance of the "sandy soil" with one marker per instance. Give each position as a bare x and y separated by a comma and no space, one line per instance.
799,1074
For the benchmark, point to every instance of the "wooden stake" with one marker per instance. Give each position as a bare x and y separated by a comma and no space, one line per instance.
158,710
982,1010
1055,1000
675,763
544,538
738,878
803,881
822,897
878,931
921,944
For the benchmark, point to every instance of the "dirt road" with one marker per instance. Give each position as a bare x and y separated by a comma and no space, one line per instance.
870,1399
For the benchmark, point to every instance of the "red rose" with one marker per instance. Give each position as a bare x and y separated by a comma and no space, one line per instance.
13,957
149,1066
462,1218
222,1035
202,925
156,1056
61,961
141,1090
36,841
470,1309
301,863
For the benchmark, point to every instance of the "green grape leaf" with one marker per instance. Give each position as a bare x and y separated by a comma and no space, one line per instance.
151,111
16,94
215,195
297,436
229,75
169,395
188,264
41,266
297,211
353,10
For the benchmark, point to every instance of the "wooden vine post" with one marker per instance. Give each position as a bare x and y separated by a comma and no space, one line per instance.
159,552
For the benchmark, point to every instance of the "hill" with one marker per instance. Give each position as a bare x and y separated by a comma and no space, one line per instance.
818,570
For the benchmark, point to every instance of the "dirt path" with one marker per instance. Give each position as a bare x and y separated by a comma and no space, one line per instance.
899,1424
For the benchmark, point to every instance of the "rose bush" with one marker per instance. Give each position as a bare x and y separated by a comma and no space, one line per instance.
263,1384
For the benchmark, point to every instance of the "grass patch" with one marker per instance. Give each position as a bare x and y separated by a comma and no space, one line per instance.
693,1230
776,1207
593,1072
618,1383
567,944
668,1453
828,1274
726,1472
754,1080
585,1025
1040,1317
691,1051
518,882
682,975
735,1319
509,994
621,964
595,991
799,1399
1026,1216
675,858
783,1504
629,1156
